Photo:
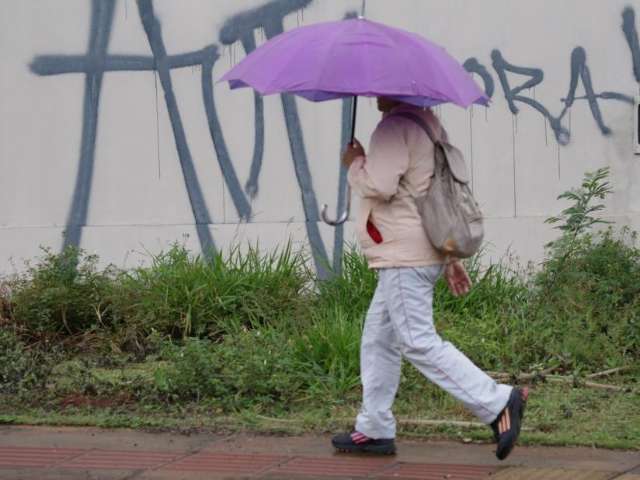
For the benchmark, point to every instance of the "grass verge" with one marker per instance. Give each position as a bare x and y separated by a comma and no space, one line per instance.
556,414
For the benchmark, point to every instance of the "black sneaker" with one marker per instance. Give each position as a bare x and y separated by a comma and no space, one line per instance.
496,422
509,422
345,442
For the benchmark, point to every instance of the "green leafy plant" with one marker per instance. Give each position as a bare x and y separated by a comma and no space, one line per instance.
22,370
62,295
252,369
182,295
195,372
574,221
586,297
578,217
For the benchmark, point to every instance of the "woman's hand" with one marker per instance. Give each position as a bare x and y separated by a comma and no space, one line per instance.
457,278
352,151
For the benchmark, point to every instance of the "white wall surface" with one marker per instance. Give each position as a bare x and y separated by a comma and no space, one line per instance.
133,190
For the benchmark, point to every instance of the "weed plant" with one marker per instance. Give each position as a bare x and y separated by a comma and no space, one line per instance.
23,371
62,295
182,296
248,369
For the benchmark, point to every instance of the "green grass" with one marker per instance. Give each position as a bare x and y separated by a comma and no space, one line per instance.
181,295
291,365
556,414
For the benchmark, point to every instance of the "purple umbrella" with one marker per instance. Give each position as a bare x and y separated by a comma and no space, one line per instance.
356,57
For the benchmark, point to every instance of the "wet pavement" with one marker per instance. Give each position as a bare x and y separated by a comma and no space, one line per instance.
49,453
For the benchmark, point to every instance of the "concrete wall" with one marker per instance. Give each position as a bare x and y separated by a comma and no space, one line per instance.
113,130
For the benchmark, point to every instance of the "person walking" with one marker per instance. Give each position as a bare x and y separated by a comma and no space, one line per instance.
399,322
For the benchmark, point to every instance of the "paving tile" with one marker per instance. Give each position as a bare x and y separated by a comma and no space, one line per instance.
518,473
120,460
44,474
36,457
435,471
225,463
331,467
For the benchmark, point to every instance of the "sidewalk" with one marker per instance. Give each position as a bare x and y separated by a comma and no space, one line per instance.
47,453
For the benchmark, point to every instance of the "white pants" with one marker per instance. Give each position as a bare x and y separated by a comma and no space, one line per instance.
400,323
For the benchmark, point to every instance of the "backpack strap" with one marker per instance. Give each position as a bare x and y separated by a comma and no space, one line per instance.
421,123
452,159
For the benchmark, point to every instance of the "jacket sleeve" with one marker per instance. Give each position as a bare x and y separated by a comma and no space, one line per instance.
378,174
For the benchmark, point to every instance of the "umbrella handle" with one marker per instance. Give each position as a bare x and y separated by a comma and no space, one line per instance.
345,215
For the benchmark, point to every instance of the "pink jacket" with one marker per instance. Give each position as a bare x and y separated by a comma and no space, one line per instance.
398,167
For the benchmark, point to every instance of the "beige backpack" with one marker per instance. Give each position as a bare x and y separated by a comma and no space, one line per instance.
450,215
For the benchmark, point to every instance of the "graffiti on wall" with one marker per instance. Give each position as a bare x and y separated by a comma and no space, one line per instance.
241,28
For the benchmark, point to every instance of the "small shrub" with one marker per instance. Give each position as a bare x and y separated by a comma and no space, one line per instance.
182,295
63,294
263,370
591,308
21,370
587,293
195,372
578,217
249,369
5,303
604,268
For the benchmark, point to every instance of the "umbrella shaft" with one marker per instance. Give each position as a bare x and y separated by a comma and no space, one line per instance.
354,111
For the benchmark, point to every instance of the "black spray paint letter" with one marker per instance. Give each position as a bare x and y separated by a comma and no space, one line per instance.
241,27
94,64
99,33
631,34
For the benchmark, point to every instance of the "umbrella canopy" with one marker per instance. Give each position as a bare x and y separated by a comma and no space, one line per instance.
356,57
